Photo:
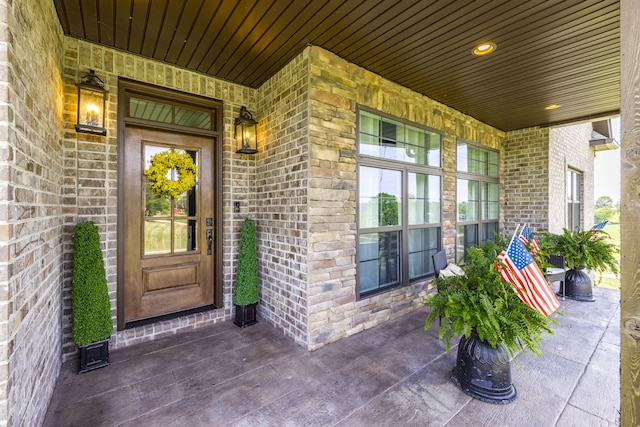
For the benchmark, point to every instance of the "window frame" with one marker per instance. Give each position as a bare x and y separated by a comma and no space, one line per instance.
479,222
574,198
404,227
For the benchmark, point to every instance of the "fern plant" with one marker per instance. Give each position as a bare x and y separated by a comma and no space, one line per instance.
245,289
481,300
589,249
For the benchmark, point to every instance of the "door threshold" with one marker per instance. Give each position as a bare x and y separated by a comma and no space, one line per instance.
170,316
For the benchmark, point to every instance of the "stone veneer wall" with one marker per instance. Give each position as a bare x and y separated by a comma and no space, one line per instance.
282,181
336,89
527,179
31,169
91,181
569,148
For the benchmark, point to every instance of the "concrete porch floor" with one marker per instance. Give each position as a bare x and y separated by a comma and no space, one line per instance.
393,375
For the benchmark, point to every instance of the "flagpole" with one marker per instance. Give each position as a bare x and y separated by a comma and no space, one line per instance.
512,237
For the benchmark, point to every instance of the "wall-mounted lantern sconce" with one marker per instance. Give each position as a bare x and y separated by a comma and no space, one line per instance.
246,133
92,98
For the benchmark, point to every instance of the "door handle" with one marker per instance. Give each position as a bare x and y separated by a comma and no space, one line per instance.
209,241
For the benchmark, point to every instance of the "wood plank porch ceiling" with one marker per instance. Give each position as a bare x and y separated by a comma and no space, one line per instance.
564,52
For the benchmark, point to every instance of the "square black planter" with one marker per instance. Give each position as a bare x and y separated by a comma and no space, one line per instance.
246,315
94,356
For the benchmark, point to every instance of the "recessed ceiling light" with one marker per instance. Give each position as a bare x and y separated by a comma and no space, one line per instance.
484,48
552,107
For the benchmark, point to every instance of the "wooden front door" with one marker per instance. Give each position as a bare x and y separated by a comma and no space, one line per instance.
168,246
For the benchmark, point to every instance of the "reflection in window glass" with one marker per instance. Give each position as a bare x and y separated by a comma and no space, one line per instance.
155,204
393,140
477,160
150,110
184,235
380,194
466,236
399,202
169,224
488,231
477,197
157,237
193,118
490,202
379,255
424,198
467,200
423,243
145,109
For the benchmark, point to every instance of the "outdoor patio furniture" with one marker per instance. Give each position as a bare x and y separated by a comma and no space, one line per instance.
557,272
439,261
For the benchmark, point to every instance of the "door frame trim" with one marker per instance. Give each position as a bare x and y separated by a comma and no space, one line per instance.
128,87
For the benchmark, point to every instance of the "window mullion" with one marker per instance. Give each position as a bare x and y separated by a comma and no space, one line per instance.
405,228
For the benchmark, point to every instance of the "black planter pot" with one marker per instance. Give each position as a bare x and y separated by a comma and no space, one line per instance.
246,315
94,356
577,286
484,372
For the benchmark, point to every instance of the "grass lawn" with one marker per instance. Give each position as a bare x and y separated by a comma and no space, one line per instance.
608,279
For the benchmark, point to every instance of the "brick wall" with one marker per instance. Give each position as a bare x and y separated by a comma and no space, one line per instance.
282,181
527,179
31,169
535,173
90,174
569,148
336,89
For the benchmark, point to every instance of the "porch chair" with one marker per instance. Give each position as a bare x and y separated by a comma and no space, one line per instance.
439,261
557,272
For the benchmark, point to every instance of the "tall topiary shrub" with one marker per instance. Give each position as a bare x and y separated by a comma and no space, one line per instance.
245,288
89,292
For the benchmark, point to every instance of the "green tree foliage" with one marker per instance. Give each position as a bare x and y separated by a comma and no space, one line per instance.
481,300
155,204
387,209
604,214
89,292
245,289
604,202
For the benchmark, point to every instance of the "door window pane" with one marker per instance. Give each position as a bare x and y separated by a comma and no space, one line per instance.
184,235
157,237
155,204
169,224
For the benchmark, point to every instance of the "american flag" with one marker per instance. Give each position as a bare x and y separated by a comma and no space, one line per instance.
529,282
525,237
600,225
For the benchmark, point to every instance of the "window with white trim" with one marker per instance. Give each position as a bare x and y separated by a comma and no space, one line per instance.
399,202
574,190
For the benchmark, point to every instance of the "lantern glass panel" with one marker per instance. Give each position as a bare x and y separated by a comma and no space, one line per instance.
90,110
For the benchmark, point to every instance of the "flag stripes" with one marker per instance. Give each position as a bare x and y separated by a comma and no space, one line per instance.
519,269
